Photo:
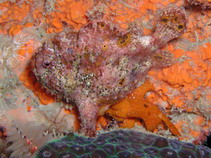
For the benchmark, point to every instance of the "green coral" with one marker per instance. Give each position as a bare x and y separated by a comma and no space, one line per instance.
121,143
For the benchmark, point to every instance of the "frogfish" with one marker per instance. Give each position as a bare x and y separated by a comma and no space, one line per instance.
102,63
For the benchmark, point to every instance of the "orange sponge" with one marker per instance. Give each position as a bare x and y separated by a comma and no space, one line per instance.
136,106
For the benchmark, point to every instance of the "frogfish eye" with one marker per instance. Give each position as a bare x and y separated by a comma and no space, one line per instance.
180,27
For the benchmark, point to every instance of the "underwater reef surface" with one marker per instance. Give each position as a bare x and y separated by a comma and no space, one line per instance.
121,144
179,94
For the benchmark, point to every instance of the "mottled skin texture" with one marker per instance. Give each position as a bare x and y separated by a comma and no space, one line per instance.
120,144
101,64
205,4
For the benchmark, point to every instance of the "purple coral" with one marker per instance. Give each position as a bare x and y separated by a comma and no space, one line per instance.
101,64
120,144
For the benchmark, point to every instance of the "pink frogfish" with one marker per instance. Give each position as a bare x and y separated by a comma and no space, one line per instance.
101,63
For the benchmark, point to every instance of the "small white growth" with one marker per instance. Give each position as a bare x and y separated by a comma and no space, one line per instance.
51,49
145,40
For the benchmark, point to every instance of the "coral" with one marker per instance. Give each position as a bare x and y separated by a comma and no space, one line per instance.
121,143
23,136
89,73
14,17
136,106
27,131
68,13
183,88
30,82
